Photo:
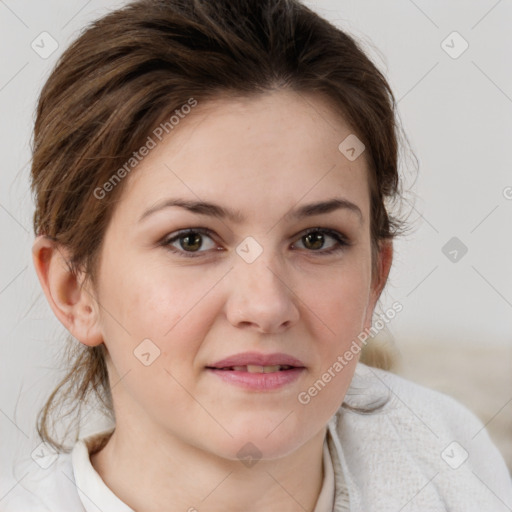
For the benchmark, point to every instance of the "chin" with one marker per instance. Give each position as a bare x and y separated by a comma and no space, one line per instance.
257,441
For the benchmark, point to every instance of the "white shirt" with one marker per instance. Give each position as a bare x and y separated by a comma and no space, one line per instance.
422,452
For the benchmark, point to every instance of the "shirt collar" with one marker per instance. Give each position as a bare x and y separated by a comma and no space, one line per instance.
92,490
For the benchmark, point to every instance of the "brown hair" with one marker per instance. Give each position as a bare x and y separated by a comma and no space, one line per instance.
130,70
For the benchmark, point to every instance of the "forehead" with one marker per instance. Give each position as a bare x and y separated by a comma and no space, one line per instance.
278,148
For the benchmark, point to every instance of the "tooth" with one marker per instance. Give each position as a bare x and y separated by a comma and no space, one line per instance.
252,368
270,369
239,368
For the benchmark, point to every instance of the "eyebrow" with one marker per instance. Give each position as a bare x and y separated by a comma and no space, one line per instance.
215,210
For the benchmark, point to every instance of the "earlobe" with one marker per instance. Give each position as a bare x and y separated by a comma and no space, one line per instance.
72,303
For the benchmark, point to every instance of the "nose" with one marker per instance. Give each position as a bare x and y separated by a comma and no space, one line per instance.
261,296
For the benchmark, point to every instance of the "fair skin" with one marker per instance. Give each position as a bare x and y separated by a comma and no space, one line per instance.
179,426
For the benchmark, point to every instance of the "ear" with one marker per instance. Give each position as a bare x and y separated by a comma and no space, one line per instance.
73,304
385,259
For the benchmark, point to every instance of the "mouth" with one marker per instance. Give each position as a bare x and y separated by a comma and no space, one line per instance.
255,362
258,372
253,368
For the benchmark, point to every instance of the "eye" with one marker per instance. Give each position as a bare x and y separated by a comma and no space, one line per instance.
190,241
314,240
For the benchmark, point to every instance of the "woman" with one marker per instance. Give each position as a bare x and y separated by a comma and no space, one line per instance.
213,182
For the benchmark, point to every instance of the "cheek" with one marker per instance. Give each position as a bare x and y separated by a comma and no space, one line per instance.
338,315
169,306
339,300
337,312
165,309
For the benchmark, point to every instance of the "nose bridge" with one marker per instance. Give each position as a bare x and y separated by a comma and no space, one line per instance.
259,265
261,294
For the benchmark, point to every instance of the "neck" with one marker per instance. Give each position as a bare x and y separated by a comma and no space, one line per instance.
174,476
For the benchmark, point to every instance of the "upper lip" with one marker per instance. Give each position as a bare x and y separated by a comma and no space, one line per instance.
257,359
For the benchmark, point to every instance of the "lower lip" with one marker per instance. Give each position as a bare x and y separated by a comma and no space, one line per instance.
259,381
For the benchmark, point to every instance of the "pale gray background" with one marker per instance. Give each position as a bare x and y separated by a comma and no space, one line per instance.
458,117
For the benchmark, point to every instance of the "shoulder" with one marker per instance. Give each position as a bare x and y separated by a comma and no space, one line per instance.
408,402
417,433
14,498
43,485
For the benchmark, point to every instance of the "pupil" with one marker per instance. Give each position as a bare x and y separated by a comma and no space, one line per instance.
318,242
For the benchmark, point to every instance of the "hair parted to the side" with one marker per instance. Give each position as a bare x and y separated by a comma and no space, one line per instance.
131,69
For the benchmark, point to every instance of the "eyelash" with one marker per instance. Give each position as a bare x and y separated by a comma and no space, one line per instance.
342,242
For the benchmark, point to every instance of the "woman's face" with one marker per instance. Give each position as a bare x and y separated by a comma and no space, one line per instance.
255,287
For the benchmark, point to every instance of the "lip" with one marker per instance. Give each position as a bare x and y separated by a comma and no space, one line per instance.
258,381
258,359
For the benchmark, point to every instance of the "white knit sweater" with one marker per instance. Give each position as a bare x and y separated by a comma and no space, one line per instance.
422,451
